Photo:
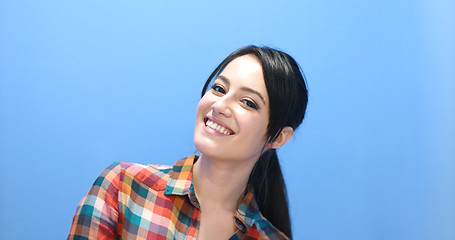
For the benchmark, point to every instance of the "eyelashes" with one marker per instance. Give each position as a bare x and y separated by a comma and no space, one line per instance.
219,89
250,104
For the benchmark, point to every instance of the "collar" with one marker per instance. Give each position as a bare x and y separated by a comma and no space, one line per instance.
180,182
248,211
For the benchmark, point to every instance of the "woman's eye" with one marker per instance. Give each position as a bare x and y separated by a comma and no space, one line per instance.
218,88
250,103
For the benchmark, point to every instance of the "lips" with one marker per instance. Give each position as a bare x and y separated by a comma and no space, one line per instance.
218,127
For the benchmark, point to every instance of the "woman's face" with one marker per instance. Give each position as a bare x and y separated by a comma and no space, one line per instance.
232,117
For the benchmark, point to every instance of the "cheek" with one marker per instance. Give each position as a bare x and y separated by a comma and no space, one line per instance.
203,105
256,126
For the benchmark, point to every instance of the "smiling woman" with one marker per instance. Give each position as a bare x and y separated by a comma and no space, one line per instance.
235,188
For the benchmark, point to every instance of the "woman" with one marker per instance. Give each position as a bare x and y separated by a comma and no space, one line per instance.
235,188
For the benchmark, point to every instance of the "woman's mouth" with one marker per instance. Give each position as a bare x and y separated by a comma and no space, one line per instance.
217,127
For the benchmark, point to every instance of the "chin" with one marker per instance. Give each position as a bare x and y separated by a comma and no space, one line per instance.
200,143
205,146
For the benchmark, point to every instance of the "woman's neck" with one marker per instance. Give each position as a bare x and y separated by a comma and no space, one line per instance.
220,183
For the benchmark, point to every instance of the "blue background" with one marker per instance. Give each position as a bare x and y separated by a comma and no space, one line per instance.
86,83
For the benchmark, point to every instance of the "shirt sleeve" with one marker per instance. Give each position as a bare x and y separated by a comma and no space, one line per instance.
97,213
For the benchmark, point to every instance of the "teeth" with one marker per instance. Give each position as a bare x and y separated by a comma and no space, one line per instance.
217,127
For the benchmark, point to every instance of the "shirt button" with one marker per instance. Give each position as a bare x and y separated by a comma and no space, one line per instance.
240,225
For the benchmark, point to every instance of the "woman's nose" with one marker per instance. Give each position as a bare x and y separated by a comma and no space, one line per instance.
222,106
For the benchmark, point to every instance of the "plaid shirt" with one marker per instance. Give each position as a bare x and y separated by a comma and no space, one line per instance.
133,201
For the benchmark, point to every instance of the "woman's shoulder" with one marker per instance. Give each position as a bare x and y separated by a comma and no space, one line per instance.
153,175
266,228
253,222
138,168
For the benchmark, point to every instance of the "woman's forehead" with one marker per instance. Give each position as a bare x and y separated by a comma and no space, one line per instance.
245,69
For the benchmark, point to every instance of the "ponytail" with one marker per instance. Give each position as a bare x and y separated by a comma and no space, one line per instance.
270,191
288,98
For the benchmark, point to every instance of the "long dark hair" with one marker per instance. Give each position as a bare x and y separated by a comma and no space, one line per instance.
288,98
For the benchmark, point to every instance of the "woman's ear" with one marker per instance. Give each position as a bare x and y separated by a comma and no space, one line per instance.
284,136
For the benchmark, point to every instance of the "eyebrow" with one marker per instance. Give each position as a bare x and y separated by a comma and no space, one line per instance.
247,89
